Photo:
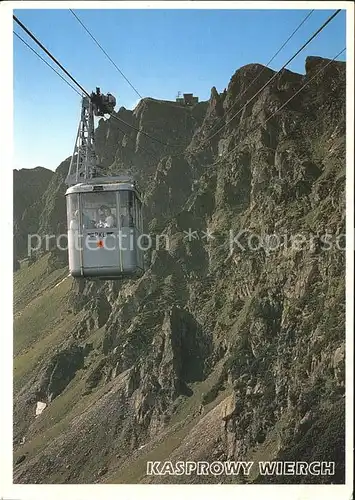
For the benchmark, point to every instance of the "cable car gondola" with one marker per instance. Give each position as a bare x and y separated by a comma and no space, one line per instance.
104,214
104,229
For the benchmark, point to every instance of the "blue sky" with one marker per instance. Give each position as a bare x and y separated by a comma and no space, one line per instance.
160,51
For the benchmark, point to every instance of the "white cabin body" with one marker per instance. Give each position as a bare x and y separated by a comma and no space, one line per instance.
105,225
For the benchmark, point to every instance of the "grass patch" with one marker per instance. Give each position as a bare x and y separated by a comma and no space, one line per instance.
41,316
25,363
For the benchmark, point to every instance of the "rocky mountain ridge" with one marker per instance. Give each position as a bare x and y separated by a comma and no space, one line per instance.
225,349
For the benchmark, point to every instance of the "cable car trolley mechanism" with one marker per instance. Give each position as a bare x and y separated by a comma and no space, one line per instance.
104,214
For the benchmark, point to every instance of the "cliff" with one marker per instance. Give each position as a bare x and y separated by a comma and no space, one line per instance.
232,344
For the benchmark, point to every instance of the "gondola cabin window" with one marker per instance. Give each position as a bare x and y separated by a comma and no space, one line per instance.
99,210
73,212
127,209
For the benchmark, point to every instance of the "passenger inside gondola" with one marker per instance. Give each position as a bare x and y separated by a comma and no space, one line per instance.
110,220
101,218
74,223
126,218
105,217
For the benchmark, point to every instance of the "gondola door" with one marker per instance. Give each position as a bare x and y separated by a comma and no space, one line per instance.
100,238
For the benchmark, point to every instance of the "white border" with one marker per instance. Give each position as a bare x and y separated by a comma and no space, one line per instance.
7,489
349,390
180,4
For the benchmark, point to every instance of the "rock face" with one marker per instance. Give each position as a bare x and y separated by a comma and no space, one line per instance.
29,187
231,345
